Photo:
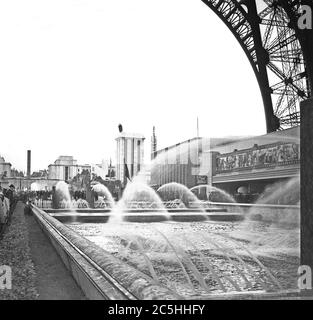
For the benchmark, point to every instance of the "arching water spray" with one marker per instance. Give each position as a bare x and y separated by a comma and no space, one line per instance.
104,192
213,194
136,196
174,191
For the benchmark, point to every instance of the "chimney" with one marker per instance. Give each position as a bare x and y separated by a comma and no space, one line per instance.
153,144
29,160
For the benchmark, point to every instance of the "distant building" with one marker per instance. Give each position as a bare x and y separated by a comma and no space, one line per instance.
145,176
236,165
111,172
129,155
252,164
41,174
177,163
186,162
65,168
5,168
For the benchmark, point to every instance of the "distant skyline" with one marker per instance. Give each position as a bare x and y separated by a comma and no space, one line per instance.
72,70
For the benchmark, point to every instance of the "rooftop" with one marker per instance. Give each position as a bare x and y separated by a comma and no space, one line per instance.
2,160
288,135
130,135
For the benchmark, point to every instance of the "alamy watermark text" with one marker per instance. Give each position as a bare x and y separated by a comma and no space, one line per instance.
5,277
306,18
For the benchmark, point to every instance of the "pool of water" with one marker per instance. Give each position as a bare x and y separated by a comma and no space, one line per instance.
197,259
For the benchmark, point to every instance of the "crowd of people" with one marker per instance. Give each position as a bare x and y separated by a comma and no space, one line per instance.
8,200
79,195
32,195
44,198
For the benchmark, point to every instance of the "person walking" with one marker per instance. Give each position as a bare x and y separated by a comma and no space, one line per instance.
3,215
10,194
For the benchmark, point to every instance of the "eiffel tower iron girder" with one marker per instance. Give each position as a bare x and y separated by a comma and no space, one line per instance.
280,53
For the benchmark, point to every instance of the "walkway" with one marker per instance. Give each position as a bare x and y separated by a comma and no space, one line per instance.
53,280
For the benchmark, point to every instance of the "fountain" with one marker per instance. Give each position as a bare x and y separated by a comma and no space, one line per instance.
176,193
193,259
106,200
284,195
35,187
212,194
138,197
190,261
63,194
272,224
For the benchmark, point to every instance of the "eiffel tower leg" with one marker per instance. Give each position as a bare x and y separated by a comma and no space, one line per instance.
306,183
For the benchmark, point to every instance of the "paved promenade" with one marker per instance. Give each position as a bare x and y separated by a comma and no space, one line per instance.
37,270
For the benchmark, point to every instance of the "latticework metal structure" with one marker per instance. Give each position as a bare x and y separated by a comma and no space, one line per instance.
279,52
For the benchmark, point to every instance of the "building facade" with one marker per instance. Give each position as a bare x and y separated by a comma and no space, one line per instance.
238,165
246,167
178,163
5,168
129,155
187,162
65,168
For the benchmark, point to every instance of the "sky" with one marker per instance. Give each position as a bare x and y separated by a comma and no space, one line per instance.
72,70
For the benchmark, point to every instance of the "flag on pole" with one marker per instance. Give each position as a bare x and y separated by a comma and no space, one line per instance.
126,172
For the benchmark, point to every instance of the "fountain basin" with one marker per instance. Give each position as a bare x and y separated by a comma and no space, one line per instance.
137,210
144,215
106,277
156,248
142,242
146,218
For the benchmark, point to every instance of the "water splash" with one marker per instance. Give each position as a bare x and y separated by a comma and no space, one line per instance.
136,240
213,194
282,193
62,192
105,193
64,197
258,262
137,195
35,187
174,191
285,194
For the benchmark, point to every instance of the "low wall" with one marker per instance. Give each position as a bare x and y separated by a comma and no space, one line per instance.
146,217
99,274
216,212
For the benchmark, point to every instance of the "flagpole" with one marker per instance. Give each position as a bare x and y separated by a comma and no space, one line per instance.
197,127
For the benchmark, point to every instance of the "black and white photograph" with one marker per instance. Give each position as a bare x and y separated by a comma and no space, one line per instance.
156,150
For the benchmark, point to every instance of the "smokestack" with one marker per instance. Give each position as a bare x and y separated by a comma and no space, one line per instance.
29,160
153,144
